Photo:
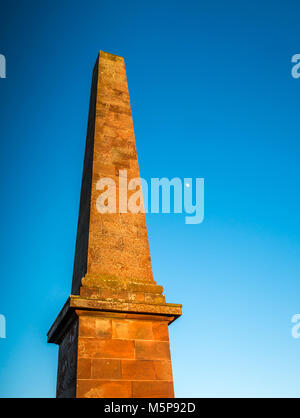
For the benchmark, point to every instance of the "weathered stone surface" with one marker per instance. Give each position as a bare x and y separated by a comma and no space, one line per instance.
103,389
152,350
163,370
138,370
127,352
131,329
91,326
99,348
113,329
67,363
152,389
160,331
168,309
84,368
109,245
106,369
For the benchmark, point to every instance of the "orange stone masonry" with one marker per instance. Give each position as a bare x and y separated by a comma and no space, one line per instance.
113,330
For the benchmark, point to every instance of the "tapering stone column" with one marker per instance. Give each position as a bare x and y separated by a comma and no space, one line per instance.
113,330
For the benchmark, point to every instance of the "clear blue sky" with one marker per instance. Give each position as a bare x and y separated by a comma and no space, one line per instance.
212,96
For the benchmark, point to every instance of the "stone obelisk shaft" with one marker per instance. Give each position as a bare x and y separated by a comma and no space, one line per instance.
114,245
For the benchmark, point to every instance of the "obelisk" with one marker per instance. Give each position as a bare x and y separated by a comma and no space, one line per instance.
113,330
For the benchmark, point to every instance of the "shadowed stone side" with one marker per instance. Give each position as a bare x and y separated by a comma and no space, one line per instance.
82,240
67,363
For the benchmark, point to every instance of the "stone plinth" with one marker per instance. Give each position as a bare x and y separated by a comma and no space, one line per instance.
113,349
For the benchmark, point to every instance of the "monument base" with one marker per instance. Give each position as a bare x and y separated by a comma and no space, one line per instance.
113,349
